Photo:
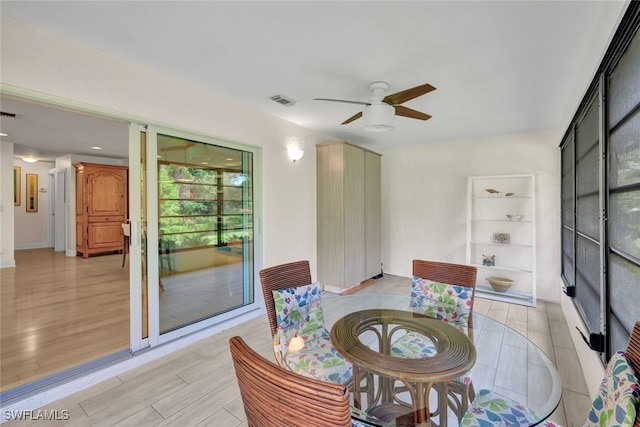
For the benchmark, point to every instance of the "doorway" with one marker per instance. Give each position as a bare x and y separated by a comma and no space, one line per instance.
59,311
126,308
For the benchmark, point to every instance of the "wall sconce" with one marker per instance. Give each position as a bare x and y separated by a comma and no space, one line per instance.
295,148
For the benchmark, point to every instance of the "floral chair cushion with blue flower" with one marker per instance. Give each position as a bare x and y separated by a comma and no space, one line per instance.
289,299
617,401
299,312
491,409
615,406
306,321
450,303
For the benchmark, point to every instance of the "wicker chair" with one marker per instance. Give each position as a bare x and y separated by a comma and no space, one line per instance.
459,392
293,275
490,407
273,396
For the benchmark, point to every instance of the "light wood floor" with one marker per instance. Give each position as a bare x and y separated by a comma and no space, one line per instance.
59,312
196,386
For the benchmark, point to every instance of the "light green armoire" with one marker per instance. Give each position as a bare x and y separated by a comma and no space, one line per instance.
349,224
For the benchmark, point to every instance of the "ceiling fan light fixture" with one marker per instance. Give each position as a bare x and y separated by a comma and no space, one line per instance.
378,117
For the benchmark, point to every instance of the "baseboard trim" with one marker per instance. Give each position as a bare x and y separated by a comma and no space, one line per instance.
8,264
352,289
360,286
33,246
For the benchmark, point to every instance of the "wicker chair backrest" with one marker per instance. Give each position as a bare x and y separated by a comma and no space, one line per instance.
273,396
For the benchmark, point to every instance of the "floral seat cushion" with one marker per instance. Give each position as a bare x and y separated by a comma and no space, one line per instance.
617,401
320,360
450,303
285,300
616,404
491,409
299,313
413,345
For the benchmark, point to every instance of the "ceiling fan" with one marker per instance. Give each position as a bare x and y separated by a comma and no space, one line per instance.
379,113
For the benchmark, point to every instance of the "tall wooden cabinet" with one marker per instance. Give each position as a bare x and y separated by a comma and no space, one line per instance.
101,207
349,215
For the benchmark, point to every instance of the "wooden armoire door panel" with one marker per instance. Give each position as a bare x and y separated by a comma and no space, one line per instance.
353,194
106,195
105,235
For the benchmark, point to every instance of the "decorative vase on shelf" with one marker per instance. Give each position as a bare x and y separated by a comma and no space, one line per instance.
500,284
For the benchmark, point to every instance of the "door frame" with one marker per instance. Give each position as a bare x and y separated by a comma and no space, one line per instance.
155,337
135,258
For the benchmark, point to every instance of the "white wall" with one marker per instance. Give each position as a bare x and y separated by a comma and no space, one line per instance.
6,205
88,76
31,227
424,193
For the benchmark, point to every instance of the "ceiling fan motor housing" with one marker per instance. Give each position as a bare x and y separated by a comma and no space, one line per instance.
378,117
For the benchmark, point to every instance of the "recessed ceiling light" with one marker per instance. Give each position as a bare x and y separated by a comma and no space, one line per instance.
96,148
229,159
30,159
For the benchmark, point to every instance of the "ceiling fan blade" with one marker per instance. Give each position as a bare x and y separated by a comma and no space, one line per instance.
406,95
341,100
408,112
352,118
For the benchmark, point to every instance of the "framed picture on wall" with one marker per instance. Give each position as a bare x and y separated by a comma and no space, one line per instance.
32,192
16,185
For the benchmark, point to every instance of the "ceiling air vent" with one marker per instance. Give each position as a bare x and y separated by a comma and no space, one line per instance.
283,100
5,114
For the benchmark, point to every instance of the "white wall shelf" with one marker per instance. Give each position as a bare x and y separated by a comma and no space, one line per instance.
510,242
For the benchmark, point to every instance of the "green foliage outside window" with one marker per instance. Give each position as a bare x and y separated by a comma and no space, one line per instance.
195,211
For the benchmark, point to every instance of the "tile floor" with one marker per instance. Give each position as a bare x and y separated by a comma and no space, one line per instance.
196,386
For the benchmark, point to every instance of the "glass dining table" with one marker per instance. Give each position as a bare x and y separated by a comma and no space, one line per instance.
500,359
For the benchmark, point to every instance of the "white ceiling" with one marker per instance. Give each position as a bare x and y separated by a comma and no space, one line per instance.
499,67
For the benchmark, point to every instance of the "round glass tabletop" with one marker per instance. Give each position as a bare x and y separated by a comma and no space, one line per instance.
506,361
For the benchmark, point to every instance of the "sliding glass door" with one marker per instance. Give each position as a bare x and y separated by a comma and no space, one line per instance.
196,233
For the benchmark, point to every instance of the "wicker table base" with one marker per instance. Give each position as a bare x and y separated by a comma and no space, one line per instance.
456,355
